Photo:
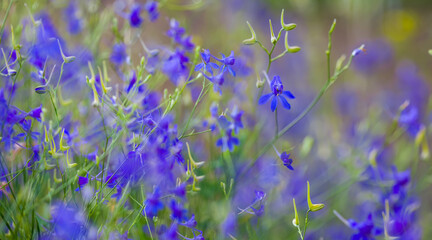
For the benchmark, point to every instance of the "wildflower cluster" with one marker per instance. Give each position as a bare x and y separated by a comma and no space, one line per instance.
119,121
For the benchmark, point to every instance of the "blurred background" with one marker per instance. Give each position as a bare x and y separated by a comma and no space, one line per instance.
353,118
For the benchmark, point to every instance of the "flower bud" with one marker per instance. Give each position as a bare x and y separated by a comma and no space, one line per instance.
41,90
295,221
65,59
288,48
286,27
252,40
313,207
272,37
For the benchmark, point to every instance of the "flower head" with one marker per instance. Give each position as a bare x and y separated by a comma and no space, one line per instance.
276,87
134,18
287,161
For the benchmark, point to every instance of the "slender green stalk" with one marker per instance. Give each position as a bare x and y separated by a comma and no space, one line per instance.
4,19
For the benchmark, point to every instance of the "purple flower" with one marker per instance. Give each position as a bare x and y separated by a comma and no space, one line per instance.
287,161
205,56
74,22
177,212
153,204
227,62
135,18
236,116
118,54
175,32
365,230
152,9
227,142
277,93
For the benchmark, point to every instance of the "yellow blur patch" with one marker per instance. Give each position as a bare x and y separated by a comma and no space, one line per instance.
399,26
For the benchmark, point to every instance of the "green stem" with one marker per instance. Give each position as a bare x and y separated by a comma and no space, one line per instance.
306,223
4,19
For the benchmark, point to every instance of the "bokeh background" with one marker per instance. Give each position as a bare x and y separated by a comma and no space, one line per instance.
352,119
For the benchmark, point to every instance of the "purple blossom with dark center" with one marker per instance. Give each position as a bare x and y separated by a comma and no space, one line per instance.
175,66
36,113
75,24
287,161
153,204
227,62
227,142
236,116
277,93
82,181
135,19
205,63
365,230
152,10
175,32
217,80
118,54
177,211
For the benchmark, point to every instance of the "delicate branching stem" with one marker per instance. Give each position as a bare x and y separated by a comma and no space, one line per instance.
306,223
329,82
4,19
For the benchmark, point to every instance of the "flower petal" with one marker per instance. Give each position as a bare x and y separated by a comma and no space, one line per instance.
274,104
289,94
284,102
264,98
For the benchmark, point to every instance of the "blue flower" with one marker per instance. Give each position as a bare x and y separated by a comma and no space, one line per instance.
75,24
153,204
236,116
227,62
277,93
287,161
205,56
177,212
135,18
365,230
228,141
118,54
175,32
152,9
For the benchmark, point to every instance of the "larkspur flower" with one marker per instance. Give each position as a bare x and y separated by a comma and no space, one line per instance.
152,10
227,62
135,18
153,203
365,230
277,93
228,141
287,161
236,116
118,54
206,64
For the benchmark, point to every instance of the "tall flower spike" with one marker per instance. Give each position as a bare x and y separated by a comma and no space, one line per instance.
65,59
288,48
313,207
286,27
252,40
272,37
295,221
